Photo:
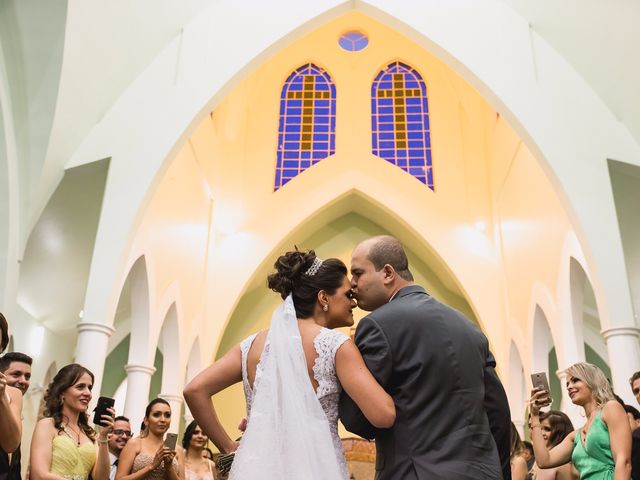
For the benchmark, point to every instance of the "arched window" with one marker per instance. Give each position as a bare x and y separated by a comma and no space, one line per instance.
307,129
400,121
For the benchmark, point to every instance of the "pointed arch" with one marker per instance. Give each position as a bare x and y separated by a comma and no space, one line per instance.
307,127
400,130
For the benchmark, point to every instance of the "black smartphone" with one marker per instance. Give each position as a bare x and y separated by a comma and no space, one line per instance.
170,441
101,409
539,381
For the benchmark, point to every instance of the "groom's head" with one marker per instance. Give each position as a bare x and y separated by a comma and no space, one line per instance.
379,268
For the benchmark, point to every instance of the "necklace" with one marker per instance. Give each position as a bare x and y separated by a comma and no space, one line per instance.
76,433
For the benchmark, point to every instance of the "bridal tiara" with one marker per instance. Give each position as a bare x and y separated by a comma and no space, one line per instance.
315,266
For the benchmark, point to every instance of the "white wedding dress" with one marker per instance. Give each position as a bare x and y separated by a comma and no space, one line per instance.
296,435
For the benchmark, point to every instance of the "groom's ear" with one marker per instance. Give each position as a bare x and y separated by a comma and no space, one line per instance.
389,274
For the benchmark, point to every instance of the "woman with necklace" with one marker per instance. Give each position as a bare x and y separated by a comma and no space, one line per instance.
196,466
146,456
601,449
63,444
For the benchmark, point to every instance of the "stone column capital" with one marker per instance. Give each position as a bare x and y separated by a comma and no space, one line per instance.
620,331
95,327
169,397
133,368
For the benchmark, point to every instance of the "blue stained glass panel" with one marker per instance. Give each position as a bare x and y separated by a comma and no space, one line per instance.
306,133
353,41
400,121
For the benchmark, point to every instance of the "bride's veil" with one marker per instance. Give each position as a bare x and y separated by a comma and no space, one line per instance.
288,433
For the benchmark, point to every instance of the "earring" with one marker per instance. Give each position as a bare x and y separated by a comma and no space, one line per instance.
325,308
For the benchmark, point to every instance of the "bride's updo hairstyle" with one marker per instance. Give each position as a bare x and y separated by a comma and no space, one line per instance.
294,277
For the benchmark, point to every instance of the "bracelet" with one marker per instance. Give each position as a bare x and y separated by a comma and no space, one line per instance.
103,442
537,425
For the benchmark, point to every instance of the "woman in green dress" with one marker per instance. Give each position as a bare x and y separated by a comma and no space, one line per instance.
601,449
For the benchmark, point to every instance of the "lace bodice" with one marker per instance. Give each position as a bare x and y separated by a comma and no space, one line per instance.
326,344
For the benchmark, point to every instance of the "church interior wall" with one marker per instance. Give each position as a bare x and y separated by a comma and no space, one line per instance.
191,131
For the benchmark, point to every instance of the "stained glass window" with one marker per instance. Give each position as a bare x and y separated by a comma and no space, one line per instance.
400,121
353,41
307,129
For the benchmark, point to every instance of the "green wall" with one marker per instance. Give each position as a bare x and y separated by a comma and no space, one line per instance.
114,373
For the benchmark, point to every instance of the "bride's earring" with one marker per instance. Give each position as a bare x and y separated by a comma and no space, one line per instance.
325,308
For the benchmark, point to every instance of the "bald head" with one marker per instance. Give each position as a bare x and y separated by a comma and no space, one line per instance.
379,268
387,250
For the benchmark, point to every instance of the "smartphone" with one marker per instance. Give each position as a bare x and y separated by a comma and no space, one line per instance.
539,381
101,409
170,441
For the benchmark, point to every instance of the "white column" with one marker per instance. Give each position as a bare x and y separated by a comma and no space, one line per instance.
138,384
176,406
91,350
624,358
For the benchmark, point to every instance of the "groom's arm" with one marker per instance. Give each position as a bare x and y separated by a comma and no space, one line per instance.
497,407
373,346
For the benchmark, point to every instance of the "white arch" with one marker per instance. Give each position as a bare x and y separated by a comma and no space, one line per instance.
448,31
517,387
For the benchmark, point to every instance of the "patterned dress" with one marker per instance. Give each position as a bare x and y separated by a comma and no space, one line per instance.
326,344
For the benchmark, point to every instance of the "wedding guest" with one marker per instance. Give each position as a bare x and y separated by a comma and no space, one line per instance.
63,444
196,465
554,426
601,449
518,463
634,422
634,381
10,405
16,368
528,454
146,456
117,440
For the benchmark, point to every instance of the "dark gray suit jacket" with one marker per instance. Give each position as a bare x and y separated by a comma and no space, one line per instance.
435,364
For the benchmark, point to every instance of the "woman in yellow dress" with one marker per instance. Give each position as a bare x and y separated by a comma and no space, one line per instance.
63,444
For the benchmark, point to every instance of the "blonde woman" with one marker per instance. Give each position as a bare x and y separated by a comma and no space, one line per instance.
601,449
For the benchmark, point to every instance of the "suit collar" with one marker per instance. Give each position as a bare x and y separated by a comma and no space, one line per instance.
408,290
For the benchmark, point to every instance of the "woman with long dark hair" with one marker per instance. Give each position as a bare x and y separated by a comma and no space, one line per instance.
146,456
196,465
64,444
555,426
601,449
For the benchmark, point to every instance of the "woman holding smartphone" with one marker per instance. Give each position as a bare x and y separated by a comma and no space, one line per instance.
63,444
601,449
147,456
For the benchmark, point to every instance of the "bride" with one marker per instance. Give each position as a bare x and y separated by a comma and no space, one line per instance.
292,376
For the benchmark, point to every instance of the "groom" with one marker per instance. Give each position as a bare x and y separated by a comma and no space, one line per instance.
437,367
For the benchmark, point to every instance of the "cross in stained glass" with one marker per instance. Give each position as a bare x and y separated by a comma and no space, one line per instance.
399,94
309,94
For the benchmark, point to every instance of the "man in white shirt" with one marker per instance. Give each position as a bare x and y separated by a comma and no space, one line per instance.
118,439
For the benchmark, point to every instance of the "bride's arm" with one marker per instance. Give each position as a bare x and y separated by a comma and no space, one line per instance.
358,382
198,392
